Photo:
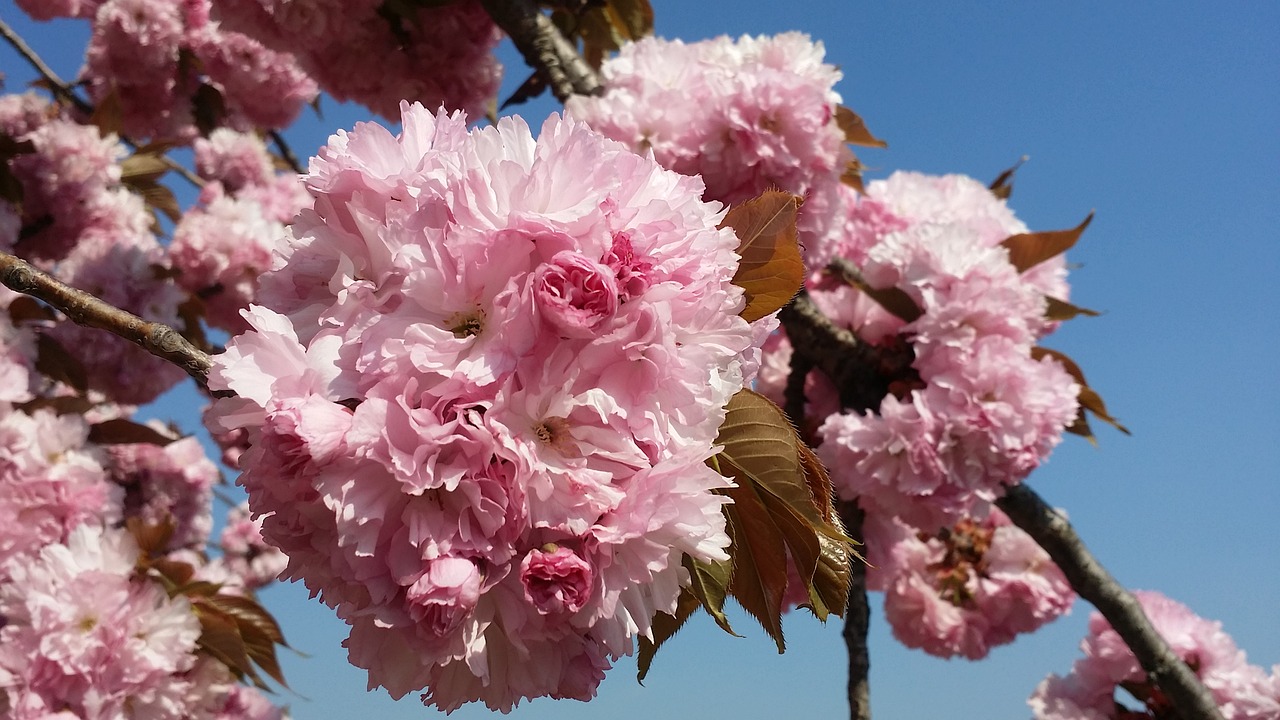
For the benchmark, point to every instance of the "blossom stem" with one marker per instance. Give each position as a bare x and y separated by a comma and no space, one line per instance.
544,47
84,309
1051,530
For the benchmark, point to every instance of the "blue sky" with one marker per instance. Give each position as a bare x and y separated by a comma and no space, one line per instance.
1166,121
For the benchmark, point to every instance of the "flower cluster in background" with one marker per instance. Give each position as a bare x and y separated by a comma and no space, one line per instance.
747,115
84,631
1108,682
480,392
377,53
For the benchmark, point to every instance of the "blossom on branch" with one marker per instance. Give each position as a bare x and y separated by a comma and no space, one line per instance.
1089,692
747,115
966,589
480,393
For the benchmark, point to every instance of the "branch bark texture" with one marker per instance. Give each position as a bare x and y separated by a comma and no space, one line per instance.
544,47
85,309
1051,530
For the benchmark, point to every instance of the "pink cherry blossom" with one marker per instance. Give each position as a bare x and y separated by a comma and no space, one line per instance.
967,589
1242,691
479,408
746,115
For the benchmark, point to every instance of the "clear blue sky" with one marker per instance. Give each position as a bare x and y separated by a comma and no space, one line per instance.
1165,119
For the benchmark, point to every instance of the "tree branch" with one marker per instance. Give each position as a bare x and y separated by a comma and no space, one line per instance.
62,89
1051,530
56,84
286,152
850,363
857,620
84,309
544,48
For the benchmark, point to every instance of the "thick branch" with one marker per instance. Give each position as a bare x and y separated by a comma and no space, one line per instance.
84,309
1051,530
544,47
851,364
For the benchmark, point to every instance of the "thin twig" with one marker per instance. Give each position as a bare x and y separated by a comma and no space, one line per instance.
1050,529
84,309
64,90
285,151
59,87
544,47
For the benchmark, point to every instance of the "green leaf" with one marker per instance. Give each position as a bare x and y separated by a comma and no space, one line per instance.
1030,249
771,270
664,627
855,130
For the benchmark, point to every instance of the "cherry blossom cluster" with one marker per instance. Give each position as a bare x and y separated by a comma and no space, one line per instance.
84,638
976,411
223,244
78,221
965,589
378,53
161,62
480,393
1092,690
81,632
747,115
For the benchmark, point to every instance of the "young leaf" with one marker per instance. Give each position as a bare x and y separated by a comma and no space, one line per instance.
1030,249
1089,399
632,18
852,176
771,270
759,561
895,300
709,582
143,166
663,627
1002,186
1056,309
781,510
121,431
855,130
54,361
220,638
